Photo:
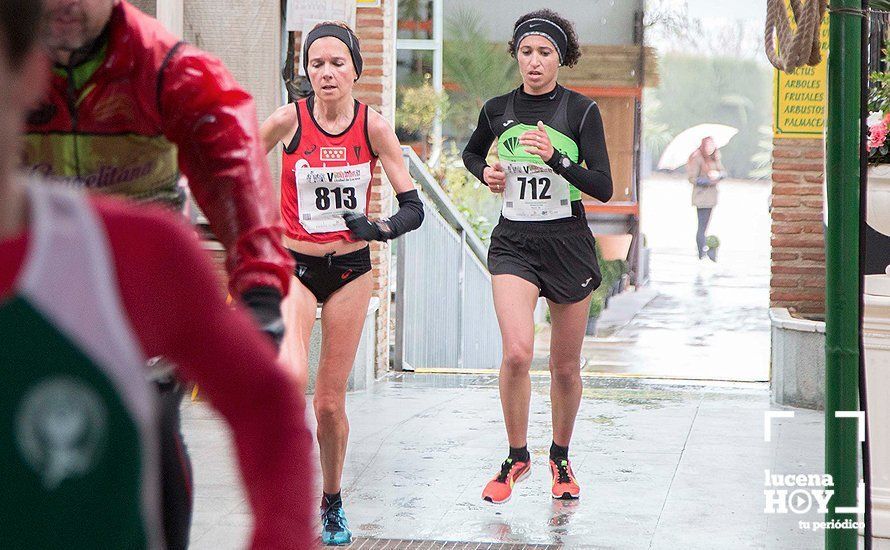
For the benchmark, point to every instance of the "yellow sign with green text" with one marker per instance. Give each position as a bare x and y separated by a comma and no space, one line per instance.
801,98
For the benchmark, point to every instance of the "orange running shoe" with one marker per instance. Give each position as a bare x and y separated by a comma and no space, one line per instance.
499,489
565,487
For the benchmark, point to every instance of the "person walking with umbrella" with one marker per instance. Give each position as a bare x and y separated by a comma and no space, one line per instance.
705,170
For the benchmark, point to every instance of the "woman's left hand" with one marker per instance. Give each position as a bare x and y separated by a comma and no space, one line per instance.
537,142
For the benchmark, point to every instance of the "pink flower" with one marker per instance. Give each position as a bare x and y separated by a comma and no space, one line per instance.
877,133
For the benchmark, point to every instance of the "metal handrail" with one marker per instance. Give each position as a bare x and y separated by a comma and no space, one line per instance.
443,203
464,316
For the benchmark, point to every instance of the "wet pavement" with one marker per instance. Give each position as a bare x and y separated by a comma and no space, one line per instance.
661,466
696,319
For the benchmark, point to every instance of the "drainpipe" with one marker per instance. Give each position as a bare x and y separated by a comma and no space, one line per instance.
842,326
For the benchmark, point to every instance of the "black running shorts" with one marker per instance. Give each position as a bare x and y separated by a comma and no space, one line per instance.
323,275
559,258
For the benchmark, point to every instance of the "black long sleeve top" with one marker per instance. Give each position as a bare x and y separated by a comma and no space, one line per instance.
595,178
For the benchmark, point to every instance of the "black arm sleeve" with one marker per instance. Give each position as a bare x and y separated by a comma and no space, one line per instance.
409,217
477,148
596,179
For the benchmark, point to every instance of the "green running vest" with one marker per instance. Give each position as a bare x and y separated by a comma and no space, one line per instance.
558,130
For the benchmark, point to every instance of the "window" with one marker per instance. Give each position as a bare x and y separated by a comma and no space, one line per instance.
419,51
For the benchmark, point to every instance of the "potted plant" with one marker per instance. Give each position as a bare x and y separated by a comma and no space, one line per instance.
614,247
612,272
712,243
417,112
597,305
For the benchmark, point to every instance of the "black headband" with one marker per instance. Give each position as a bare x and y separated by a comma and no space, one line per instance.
340,33
546,28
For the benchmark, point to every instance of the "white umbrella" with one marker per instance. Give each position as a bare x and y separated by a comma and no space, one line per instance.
678,150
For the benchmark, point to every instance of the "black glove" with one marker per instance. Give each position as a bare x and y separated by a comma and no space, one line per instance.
364,228
264,304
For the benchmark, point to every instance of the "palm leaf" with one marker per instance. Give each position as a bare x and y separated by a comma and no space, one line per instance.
476,66
478,69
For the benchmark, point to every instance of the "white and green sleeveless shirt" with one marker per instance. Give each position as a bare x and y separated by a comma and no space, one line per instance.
78,435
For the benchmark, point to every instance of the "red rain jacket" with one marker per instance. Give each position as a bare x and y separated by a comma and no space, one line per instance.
148,105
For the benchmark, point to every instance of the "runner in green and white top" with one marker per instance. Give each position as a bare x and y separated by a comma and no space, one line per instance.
542,245
534,191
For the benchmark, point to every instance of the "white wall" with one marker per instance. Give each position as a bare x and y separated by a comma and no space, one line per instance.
247,37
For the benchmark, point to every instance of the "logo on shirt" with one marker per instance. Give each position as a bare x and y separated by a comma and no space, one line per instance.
509,122
333,154
61,429
587,282
510,144
105,175
310,150
357,149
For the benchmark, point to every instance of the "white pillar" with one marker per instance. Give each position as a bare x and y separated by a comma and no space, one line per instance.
438,39
876,340
169,12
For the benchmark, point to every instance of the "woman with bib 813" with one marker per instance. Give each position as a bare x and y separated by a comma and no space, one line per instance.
542,245
331,146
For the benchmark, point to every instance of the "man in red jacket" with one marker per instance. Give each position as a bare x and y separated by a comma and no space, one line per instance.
129,107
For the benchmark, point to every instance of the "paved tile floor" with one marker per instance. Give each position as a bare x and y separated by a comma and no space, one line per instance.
662,466
701,320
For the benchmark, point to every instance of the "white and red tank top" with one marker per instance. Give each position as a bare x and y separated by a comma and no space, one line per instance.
325,175
78,422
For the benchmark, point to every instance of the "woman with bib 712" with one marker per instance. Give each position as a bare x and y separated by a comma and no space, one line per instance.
542,245
331,146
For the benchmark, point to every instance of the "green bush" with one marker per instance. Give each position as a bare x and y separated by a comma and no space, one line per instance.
611,271
479,206
419,106
479,69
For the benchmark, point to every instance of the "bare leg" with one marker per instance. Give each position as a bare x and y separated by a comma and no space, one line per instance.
342,319
514,303
568,322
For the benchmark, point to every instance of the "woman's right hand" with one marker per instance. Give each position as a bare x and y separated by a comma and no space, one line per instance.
495,178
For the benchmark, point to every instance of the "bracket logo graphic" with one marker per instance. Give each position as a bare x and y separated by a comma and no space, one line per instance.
800,493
